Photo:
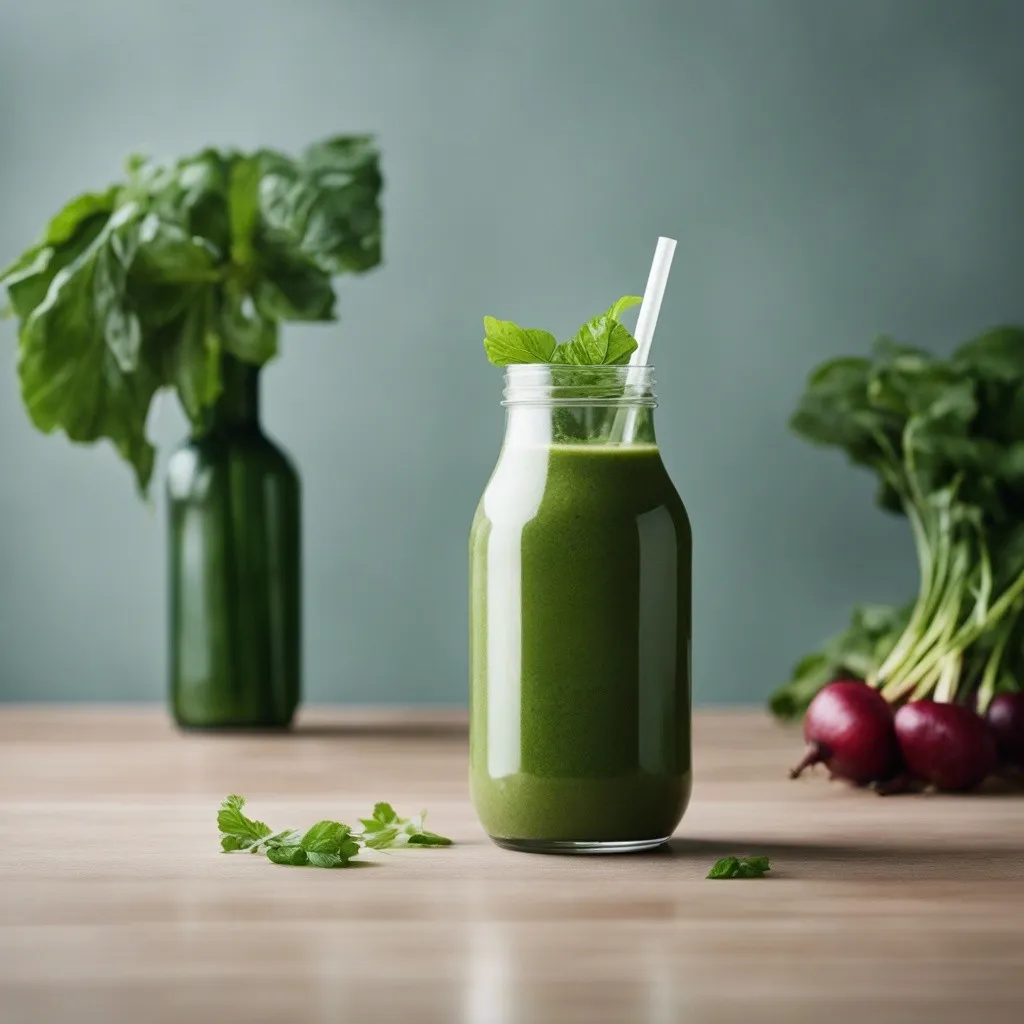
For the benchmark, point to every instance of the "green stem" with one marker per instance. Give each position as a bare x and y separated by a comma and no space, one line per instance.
987,687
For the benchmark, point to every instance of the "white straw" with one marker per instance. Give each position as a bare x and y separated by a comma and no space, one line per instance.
647,321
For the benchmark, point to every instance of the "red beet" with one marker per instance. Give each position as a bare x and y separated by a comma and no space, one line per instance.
1006,720
945,744
849,729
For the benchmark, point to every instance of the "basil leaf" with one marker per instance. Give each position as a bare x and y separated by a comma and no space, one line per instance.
29,278
79,348
247,333
67,222
243,207
170,254
292,287
326,203
189,349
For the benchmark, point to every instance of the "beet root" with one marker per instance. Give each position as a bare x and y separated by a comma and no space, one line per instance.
1006,720
849,728
946,745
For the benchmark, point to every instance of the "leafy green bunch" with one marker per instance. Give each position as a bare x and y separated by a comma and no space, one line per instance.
147,285
601,341
327,844
945,437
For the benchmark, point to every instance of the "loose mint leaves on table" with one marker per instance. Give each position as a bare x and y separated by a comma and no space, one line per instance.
740,867
144,286
327,844
601,341
386,829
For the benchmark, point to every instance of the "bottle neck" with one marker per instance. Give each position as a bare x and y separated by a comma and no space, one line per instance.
579,405
530,426
239,402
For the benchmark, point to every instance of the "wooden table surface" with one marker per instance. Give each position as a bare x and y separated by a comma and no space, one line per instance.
115,903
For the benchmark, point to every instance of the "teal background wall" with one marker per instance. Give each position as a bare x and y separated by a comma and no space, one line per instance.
831,170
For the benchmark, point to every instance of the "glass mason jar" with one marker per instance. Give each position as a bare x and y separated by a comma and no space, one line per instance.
234,568
580,621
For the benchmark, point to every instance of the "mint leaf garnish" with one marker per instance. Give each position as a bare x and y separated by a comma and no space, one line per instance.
740,867
294,855
327,844
602,340
386,830
238,832
506,342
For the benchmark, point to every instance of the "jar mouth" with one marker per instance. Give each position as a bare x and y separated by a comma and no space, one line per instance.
571,384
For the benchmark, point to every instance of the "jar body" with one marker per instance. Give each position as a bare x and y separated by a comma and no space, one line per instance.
234,580
580,592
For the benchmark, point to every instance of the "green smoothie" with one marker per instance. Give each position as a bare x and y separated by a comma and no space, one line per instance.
580,648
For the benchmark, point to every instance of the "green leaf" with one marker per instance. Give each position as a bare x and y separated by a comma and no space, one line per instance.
29,278
238,832
506,342
386,830
324,837
247,333
79,351
382,837
169,254
740,867
189,354
727,867
600,341
857,651
69,221
292,287
428,839
385,813
996,355
295,856
329,843
327,203
244,207
326,860
619,307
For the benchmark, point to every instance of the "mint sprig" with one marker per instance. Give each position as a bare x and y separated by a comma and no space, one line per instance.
386,829
740,867
327,844
602,340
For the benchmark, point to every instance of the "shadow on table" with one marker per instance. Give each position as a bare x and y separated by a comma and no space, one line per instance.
379,730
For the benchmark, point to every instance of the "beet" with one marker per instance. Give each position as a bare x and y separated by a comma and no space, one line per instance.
1006,720
849,729
946,745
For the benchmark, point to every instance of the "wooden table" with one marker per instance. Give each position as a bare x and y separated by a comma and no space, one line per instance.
115,903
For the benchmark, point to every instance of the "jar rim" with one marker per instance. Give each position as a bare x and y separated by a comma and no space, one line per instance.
575,384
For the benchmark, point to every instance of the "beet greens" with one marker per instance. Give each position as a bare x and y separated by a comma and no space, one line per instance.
945,438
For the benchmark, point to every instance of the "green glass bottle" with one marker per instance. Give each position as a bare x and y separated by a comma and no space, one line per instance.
234,568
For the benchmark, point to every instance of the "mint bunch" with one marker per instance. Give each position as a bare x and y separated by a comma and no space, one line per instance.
602,340
327,844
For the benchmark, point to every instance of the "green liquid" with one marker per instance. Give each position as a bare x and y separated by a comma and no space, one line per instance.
580,647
